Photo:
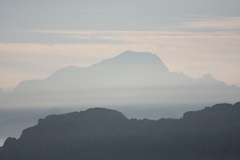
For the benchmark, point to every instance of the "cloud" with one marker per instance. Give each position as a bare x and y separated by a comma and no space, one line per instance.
134,36
228,23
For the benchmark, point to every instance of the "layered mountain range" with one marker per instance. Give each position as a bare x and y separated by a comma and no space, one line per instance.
129,79
212,133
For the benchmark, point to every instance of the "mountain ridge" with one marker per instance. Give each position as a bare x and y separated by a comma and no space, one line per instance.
100,133
131,78
130,58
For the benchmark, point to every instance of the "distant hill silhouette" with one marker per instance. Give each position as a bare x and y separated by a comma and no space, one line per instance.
131,78
212,133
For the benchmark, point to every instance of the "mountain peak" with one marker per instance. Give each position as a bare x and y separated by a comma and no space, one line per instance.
130,53
98,114
104,113
208,76
137,59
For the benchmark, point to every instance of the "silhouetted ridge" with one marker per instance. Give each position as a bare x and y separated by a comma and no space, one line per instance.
210,134
207,76
138,58
65,71
223,110
97,114
237,105
104,114
134,59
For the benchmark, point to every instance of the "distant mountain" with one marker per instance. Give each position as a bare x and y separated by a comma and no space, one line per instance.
212,133
133,60
129,79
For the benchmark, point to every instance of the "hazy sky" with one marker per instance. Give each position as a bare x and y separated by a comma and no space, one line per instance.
195,37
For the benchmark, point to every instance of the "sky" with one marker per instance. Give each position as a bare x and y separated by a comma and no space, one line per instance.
195,37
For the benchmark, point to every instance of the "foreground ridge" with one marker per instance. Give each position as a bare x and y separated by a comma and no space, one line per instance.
99,133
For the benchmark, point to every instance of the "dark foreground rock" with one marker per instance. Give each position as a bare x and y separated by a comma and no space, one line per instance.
210,134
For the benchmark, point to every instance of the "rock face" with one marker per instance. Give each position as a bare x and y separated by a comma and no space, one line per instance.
129,79
212,133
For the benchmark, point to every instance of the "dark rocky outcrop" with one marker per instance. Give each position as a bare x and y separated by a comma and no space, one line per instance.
212,133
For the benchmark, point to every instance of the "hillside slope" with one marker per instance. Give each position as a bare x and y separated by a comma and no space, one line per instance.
212,133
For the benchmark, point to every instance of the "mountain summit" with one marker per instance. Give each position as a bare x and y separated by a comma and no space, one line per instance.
137,59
